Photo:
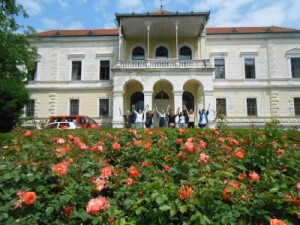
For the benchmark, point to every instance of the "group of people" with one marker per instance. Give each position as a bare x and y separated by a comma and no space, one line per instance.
166,117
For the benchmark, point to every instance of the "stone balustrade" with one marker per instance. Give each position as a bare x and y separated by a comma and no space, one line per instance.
163,64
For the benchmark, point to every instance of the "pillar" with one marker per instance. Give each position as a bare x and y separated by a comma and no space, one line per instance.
177,100
117,120
148,98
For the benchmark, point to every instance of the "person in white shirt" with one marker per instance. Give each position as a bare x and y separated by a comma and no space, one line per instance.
139,117
162,116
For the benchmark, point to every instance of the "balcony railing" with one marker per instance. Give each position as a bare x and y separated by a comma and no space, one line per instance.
163,64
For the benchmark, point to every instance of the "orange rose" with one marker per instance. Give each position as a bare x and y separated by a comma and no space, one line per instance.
254,176
28,198
276,222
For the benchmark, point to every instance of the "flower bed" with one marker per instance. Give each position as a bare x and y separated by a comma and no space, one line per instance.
156,176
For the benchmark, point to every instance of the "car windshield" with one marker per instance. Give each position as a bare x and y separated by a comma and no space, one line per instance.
93,121
77,125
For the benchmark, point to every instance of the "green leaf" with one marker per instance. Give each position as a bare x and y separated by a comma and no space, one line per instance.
183,208
49,210
161,199
164,208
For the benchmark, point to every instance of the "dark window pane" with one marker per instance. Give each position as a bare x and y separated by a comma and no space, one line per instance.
251,107
30,108
221,106
297,106
103,107
185,53
74,107
138,53
76,70
295,63
219,69
33,72
104,70
250,68
162,53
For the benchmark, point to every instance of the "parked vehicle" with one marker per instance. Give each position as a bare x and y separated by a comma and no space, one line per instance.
63,125
83,121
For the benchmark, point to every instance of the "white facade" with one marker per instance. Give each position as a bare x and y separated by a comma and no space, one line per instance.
177,63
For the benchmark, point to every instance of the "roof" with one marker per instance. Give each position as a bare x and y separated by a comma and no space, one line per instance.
77,33
249,30
209,31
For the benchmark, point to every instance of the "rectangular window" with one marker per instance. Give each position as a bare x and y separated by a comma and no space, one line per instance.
33,72
251,107
219,68
30,108
103,107
74,107
295,63
221,106
104,69
297,106
250,68
76,70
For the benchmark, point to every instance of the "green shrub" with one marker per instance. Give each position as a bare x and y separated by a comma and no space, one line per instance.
155,176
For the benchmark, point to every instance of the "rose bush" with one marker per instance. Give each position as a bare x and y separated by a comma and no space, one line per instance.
150,176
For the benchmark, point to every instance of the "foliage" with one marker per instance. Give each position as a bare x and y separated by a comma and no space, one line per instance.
156,176
13,97
16,59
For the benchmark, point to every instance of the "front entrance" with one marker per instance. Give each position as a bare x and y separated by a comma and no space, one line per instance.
162,101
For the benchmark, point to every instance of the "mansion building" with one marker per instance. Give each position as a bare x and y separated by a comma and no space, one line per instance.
249,74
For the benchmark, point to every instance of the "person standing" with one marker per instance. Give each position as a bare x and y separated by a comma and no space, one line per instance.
172,118
162,116
181,122
191,117
149,119
203,117
127,118
139,117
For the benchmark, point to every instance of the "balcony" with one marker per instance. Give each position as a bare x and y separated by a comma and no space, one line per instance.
163,64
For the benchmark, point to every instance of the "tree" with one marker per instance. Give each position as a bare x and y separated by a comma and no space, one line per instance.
16,59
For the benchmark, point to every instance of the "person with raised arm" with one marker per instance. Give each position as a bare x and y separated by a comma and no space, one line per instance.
191,117
181,122
139,116
172,118
162,116
127,118
203,117
149,119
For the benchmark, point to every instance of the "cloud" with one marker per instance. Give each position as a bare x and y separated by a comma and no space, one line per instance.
50,24
130,6
32,7
63,3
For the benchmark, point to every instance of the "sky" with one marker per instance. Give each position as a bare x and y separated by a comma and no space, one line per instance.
47,15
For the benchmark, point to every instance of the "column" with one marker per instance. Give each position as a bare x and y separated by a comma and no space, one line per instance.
120,40
202,46
177,100
117,120
177,51
148,98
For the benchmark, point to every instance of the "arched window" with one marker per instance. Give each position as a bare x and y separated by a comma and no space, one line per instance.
185,53
161,53
188,100
137,99
138,53
162,95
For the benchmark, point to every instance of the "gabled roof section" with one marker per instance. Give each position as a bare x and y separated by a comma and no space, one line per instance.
162,12
249,30
78,33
